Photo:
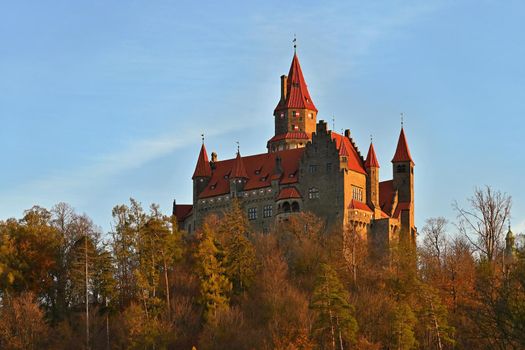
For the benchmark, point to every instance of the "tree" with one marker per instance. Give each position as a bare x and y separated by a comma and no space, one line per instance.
214,285
483,223
403,323
22,325
335,323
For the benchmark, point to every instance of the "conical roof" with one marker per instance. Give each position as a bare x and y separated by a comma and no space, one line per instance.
402,152
238,169
297,92
203,168
371,159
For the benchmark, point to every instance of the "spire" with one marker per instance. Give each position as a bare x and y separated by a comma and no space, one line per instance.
203,168
402,152
297,95
238,169
371,159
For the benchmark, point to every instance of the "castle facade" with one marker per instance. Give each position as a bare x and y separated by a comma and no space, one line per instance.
307,168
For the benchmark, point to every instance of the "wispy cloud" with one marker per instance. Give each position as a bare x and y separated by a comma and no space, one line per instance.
95,173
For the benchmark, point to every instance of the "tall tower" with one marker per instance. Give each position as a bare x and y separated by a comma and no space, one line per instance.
372,181
403,167
202,174
295,114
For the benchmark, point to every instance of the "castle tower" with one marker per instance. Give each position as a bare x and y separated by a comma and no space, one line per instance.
372,181
202,174
238,176
403,168
295,114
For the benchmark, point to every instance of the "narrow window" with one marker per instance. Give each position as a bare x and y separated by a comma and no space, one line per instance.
357,193
267,211
252,213
328,167
313,193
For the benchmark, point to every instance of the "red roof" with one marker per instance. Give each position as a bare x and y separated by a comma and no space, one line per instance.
355,162
238,170
402,152
290,135
203,168
386,191
260,169
358,205
297,93
371,159
182,211
289,192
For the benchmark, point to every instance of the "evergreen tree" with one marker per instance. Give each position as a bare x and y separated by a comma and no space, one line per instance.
214,285
403,323
334,323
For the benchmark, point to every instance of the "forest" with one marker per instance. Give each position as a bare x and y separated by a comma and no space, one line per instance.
146,284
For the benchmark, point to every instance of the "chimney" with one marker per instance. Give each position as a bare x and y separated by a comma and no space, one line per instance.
278,165
213,160
347,133
284,85
174,206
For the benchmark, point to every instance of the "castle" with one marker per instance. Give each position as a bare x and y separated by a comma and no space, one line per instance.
307,168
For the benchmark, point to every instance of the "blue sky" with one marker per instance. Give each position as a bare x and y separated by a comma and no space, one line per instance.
105,100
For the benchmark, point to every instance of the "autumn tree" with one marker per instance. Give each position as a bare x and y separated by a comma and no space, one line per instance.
22,324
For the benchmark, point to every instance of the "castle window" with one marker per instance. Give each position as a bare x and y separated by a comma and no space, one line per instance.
313,193
312,168
357,193
311,115
252,213
344,159
267,211
328,167
401,168
295,207
286,207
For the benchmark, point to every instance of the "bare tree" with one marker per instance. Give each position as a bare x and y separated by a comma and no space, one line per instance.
435,240
483,222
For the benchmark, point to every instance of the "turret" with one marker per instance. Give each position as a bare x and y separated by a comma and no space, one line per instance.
403,168
295,114
238,176
202,174
372,180
509,255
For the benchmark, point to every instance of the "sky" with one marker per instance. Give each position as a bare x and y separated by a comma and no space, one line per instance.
101,101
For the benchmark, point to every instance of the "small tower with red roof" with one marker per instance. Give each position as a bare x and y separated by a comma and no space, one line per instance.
295,114
372,180
202,174
403,183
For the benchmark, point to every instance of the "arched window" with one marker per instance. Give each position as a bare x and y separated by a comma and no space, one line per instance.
295,207
313,193
286,207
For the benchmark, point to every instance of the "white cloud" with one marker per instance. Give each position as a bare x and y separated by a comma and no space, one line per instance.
94,174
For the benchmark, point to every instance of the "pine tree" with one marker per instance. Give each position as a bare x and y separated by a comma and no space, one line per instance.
403,323
335,323
214,285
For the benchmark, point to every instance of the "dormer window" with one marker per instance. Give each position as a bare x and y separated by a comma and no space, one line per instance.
226,177
212,187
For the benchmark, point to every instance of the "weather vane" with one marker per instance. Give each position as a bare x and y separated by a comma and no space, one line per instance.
294,43
333,122
371,139
238,146
402,116
202,137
